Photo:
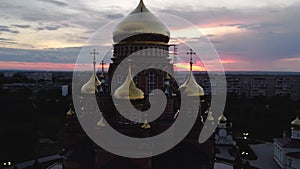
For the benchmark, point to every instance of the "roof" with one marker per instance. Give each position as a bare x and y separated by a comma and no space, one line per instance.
222,118
296,122
294,155
190,87
70,112
128,89
288,142
91,86
139,21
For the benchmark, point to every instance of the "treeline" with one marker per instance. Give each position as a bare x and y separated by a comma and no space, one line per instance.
264,118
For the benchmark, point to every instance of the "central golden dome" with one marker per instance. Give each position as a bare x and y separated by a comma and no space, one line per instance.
140,25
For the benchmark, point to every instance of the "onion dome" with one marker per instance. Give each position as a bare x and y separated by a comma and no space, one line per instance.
70,112
141,25
209,115
91,86
296,122
190,87
167,77
102,76
146,125
222,119
101,123
128,89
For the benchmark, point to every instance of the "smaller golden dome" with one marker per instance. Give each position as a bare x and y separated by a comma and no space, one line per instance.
146,125
70,112
296,122
102,76
128,89
191,88
209,115
167,76
91,86
222,119
101,123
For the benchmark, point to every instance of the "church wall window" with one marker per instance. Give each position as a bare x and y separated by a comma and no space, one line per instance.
150,82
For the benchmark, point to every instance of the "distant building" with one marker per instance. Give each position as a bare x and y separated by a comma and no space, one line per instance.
40,76
258,87
234,85
287,149
254,84
8,74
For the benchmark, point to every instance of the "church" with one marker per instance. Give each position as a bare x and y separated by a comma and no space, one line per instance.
144,34
287,149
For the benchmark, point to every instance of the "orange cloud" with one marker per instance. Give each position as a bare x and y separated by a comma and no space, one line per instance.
186,67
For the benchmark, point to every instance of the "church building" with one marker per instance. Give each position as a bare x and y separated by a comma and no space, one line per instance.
287,149
142,33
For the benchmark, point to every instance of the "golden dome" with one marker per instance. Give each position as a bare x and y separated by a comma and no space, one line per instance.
91,86
146,125
209,115
128,89
140,21
101,123
102,76
70,112
222,118
167,76
296,122
191,88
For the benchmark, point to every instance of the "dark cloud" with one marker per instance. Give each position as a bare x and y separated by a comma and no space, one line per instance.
7,29
114,16
5,39
8,43
61,55
54,2
53,55
266,34
52,28
49,28
21,26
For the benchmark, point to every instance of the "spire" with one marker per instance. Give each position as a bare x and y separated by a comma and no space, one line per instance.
128,89
140,8
191,53
91,86
94,53
102,72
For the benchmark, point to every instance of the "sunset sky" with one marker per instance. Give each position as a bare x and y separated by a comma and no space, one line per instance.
249,35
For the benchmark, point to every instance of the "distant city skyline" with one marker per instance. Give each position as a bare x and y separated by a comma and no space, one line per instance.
248,35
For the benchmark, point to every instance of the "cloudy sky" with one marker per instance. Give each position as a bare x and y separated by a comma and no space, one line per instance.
249,35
